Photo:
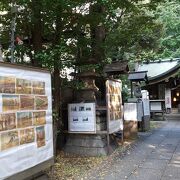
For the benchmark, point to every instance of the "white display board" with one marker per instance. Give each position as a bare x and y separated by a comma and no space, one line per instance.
133,111
114,105
82,117
155,106
26,136
130,112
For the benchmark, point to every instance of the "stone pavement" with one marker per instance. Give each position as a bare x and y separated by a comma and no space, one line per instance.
156,156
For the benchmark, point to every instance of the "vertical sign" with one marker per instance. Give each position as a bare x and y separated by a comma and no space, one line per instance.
139,110
114,105
82,118
26,137
168,98
146,107
161,91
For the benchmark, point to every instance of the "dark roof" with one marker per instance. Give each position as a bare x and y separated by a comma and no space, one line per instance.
118,67
161,69
138,76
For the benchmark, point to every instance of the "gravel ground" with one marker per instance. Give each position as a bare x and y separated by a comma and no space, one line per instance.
72,167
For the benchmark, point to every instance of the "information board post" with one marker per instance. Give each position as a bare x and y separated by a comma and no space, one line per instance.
114,108
84,119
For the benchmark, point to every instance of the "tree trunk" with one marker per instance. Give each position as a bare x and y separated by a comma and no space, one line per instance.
97,33
36,30
57,82
56,105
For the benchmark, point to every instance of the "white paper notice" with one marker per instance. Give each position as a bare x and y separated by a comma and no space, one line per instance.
82,117
155,106
26,136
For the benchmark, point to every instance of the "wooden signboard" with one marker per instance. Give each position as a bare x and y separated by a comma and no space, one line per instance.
114,105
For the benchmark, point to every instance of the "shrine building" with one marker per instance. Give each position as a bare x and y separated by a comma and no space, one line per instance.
163,82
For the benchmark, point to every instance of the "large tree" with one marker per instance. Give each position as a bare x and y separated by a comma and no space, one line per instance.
57,33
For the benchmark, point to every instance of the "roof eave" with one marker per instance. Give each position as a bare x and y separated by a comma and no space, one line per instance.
163,76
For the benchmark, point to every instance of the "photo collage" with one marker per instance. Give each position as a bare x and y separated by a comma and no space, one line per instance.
23,115
115,101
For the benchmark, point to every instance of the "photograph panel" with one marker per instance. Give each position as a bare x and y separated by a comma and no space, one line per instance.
40,135
39,118
27,136
38,87
7,121
24,119
7,85
23,86
10,103
26,102
9,140
41,102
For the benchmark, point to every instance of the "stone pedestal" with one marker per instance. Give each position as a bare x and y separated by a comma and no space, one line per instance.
130,129
144,125
86,145
91,144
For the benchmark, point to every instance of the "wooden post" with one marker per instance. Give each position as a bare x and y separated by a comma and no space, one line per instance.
131,89
108,143
122,137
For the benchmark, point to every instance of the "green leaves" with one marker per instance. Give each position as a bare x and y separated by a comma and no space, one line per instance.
134,30
168,14
136,33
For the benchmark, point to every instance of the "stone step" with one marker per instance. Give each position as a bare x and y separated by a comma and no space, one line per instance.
174,111
172,116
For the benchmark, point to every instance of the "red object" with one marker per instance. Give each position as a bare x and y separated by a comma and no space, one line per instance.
19,41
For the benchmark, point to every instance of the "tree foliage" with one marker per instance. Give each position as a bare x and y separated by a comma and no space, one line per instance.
146,33
70,33
47,26
168,14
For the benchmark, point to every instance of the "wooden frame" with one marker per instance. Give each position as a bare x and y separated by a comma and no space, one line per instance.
20,66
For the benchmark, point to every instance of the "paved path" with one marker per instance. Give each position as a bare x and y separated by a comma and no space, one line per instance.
155,157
